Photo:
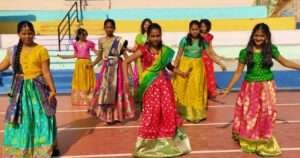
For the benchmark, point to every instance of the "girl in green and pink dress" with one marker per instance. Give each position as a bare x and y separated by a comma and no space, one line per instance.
255,110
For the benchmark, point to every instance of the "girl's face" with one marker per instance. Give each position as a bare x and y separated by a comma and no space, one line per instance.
26,35
259,37
82,36
195,31
109,29
155,37
203,28
146,25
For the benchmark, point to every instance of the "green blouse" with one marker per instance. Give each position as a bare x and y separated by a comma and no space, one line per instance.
194,50
257,72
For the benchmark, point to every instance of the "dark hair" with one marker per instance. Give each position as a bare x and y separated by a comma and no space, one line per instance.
143,23
207,23
79,32
189,35
111,21
266,47
16,62
154,26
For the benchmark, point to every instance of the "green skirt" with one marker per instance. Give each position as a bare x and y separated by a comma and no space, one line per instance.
35,135
163,147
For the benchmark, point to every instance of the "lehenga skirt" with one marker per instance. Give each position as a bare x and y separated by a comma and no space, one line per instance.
191,92
83,82
159,134
254,116
35,134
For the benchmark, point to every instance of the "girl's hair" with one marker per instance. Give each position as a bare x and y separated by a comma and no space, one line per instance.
154,26
143,23
207,23
80,31
16,62
111,21
189,35
266,46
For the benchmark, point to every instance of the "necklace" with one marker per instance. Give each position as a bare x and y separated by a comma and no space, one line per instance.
154,52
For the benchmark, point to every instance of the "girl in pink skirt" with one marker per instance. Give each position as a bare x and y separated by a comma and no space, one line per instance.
255,110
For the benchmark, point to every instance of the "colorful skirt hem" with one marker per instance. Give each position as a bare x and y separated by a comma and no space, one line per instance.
254,117
264,148
35,135
163,147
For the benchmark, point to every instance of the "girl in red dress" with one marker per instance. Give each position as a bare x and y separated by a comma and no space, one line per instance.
159,134
205,26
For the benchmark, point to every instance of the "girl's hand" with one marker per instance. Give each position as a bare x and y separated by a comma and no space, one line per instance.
123,49
105,58
224,93
88,66
186,74
51,96
128,50
183,74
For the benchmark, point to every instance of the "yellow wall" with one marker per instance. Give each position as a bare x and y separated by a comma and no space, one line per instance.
96,27
275,23
8,27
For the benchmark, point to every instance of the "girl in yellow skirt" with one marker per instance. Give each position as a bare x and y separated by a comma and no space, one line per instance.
83,77
191,90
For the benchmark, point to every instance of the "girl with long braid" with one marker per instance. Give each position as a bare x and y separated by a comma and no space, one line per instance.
30,125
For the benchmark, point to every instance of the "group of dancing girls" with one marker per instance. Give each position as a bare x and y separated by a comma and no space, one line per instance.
167,91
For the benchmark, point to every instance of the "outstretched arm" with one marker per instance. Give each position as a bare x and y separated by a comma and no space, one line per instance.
175,68
212,54
125,63
5,62
287,63
66,56
219,57
235,78
99,54
178,57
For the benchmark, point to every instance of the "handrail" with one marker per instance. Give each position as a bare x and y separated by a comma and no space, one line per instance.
64,27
